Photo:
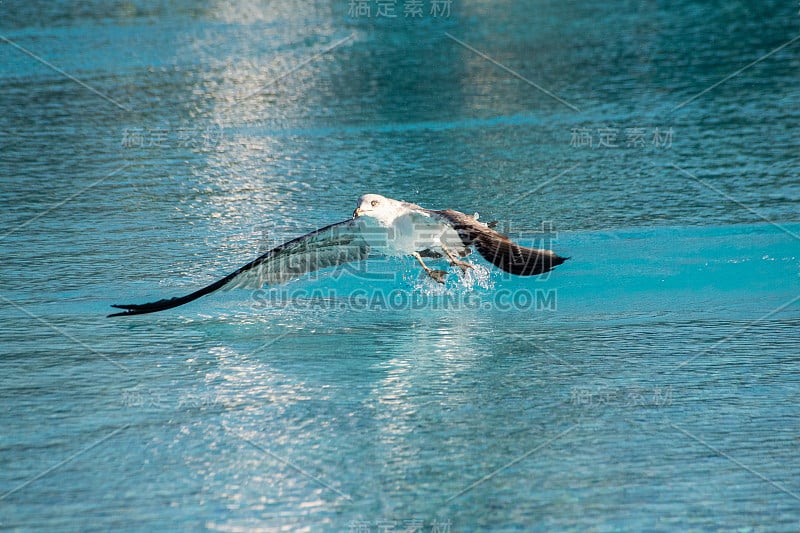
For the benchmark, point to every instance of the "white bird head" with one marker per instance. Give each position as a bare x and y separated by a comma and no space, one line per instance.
384,210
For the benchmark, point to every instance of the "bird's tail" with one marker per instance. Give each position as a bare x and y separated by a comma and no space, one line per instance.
516,259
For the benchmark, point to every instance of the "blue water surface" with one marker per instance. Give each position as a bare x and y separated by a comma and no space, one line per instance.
651,383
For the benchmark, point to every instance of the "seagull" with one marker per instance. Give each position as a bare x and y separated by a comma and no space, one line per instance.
379,226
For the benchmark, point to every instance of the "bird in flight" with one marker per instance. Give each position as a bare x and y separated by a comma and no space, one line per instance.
379,226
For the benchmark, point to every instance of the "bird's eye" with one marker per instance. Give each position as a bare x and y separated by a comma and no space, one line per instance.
374,203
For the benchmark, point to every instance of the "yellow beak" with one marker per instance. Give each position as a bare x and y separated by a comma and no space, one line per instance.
358,212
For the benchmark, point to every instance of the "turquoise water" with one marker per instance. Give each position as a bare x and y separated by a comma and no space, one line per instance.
649,383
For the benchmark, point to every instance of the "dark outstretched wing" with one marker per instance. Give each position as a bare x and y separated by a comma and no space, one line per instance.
497,248
330,246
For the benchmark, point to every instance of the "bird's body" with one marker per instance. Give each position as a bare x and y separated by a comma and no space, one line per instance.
379,226
407,228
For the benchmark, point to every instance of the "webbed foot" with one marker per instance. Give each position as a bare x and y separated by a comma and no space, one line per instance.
437,275
464,265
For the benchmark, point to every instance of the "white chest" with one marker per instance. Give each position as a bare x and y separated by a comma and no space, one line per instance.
407,233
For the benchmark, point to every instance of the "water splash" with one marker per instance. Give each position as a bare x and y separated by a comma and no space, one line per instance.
478,276
458,282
